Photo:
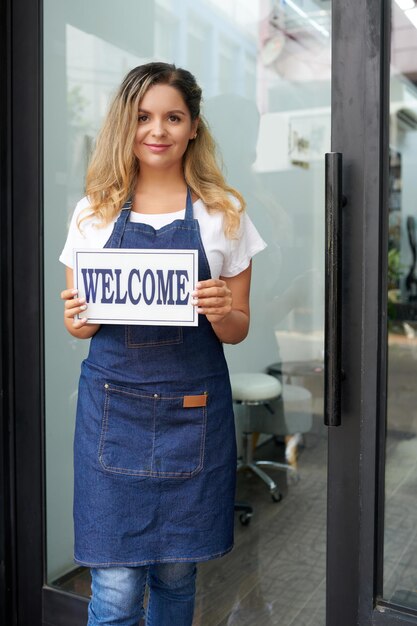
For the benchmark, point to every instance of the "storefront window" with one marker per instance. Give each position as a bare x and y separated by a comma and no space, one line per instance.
264,67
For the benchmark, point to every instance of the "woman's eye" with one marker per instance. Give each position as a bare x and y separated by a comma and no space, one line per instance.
174,118
142,118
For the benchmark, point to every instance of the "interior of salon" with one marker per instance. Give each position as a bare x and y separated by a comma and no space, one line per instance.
265,69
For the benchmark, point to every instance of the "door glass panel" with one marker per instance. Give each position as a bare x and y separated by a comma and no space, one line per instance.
264,67
400,548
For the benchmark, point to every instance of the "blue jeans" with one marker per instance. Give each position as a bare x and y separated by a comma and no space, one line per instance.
117,595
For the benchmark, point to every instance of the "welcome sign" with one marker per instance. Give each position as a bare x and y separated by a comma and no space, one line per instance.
132,286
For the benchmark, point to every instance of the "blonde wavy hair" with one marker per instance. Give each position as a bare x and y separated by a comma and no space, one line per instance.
113,169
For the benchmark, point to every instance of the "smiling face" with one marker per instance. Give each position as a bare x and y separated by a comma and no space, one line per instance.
164,128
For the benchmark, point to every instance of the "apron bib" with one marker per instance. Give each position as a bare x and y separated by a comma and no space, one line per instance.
154,447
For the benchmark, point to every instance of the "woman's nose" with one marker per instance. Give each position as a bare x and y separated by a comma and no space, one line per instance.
158,129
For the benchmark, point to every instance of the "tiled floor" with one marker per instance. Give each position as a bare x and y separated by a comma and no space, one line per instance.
276,573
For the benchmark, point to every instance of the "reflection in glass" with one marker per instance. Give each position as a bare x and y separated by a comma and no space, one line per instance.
400,546
265,71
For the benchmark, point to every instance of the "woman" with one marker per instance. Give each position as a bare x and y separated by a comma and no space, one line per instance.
154,450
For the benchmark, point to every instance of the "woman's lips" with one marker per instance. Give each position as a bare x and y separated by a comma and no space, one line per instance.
157,147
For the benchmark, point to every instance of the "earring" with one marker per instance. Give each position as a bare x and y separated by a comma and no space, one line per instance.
195,136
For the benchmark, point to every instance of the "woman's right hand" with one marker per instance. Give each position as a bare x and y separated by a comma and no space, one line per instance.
74,307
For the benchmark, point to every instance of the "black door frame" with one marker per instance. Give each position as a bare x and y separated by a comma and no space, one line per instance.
356,463
360,105
6,570
21,310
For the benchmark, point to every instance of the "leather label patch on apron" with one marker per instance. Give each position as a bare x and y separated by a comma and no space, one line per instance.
194,401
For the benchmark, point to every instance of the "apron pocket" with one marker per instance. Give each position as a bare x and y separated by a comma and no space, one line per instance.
152,336
152,435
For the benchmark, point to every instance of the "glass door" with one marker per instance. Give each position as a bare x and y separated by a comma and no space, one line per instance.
273,101
265,70
400,536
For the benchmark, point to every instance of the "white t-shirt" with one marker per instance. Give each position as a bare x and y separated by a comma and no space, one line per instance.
226,257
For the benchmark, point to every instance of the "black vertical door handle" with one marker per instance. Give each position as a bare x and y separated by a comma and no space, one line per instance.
333,303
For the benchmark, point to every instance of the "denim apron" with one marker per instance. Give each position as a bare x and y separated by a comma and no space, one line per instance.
154,477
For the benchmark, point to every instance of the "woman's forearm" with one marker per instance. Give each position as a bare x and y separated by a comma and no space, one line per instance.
233,328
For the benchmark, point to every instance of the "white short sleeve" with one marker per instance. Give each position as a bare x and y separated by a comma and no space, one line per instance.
241,250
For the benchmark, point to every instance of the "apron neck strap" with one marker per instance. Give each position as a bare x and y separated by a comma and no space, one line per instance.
189,206
115,240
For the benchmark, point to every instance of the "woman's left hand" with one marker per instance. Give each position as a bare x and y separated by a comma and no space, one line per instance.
225,303
213,298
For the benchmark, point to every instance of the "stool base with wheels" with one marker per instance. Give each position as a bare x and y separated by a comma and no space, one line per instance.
254,390
246,512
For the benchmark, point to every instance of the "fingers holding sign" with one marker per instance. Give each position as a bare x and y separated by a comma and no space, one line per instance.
225,303
74,311
213,298
74,307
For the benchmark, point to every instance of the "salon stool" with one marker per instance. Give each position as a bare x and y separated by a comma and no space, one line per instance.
256,389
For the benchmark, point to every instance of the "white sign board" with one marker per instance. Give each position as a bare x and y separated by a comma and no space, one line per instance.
131,286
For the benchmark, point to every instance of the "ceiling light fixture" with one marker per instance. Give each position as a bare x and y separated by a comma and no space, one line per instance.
412,16
303,14
410,10
405,4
